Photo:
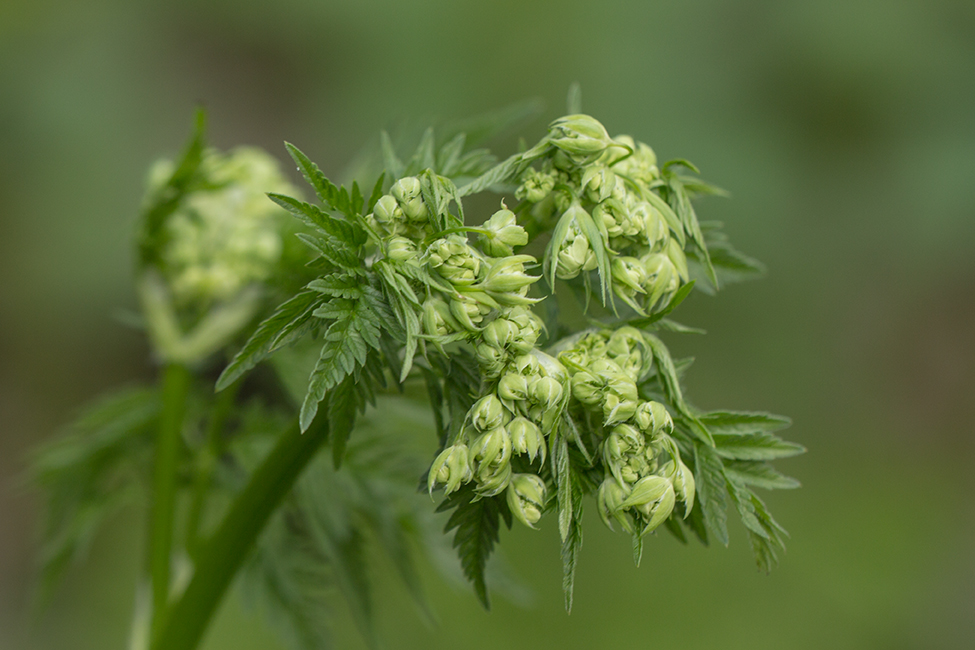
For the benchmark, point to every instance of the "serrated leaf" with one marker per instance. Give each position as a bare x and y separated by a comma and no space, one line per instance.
343,351
277,330
505,171
393,165
755,446
743,422
338,285
377,193
477,523
760,474
675,301
598,246
710,484
333,251
571,546
561,471
766,535
342,408
314,217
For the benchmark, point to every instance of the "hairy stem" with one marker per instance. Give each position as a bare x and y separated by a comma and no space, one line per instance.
176,384
207,461
219,557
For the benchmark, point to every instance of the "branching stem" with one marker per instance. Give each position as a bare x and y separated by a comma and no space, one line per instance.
220,556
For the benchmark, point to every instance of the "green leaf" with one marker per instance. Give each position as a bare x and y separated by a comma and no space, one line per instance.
755,446
505,171
393,165
673,326
673,221
766,535
481,128
675,301
377,193
313,216
573,103
477,523
591,232
285,325
572,545
671,385
424,157
333,250
343,404
710,483
743,422
760,474
167,198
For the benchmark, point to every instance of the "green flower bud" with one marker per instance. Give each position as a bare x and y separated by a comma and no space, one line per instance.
507,274
628,348
415,210
491,359
676,255
587,388
503,234
629,272
663,277
528,365
620,400
683,480
488,413
387,210
513,387
451,468
401,249
406,189
454,259
526,438
609,501
546,392
579,135
529,328
599,183
499,333
468,311
437,319
655,227
526,498
493,481
535,185
654,498
491,450
642,165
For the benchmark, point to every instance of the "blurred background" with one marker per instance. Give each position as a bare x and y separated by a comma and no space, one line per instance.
845,131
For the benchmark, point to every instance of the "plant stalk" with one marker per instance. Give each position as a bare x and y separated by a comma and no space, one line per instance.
220,556
176,385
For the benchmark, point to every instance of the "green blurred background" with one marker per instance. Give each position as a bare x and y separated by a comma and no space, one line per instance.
846,133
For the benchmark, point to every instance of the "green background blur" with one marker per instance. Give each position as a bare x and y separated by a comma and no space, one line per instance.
846,133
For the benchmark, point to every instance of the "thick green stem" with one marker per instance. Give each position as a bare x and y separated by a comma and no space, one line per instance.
206,463
219,558
176,385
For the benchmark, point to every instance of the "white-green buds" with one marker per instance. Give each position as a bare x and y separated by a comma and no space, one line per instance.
387,210
451,468
629,272
546,392
468,310
579,135
492,450
526,438
620,400
454,260
654,498
535,185
609,501
401,249
507,275
502,234
499,333
683,479
587,388
653,419
437,320
407,193
487,413
526,498
491,359
513,387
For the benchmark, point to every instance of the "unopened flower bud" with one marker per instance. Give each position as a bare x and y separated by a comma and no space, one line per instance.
683,480
387,210
493,480
579,135
499,333
487,413
654,497
492,360
654,419
451,468
401,249
629,271
599,183
676,255
526,438
546,392
437,319
503,234
587,388
528,365
513,387
406,189
468,311
507,274
526,498
492,449
415,210
535,185
609,501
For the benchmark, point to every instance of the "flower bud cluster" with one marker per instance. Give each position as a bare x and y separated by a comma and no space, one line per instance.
224,239
402,214
644,473
587,175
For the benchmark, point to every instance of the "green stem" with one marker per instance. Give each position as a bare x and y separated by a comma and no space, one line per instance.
176,385
219,558
207,461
